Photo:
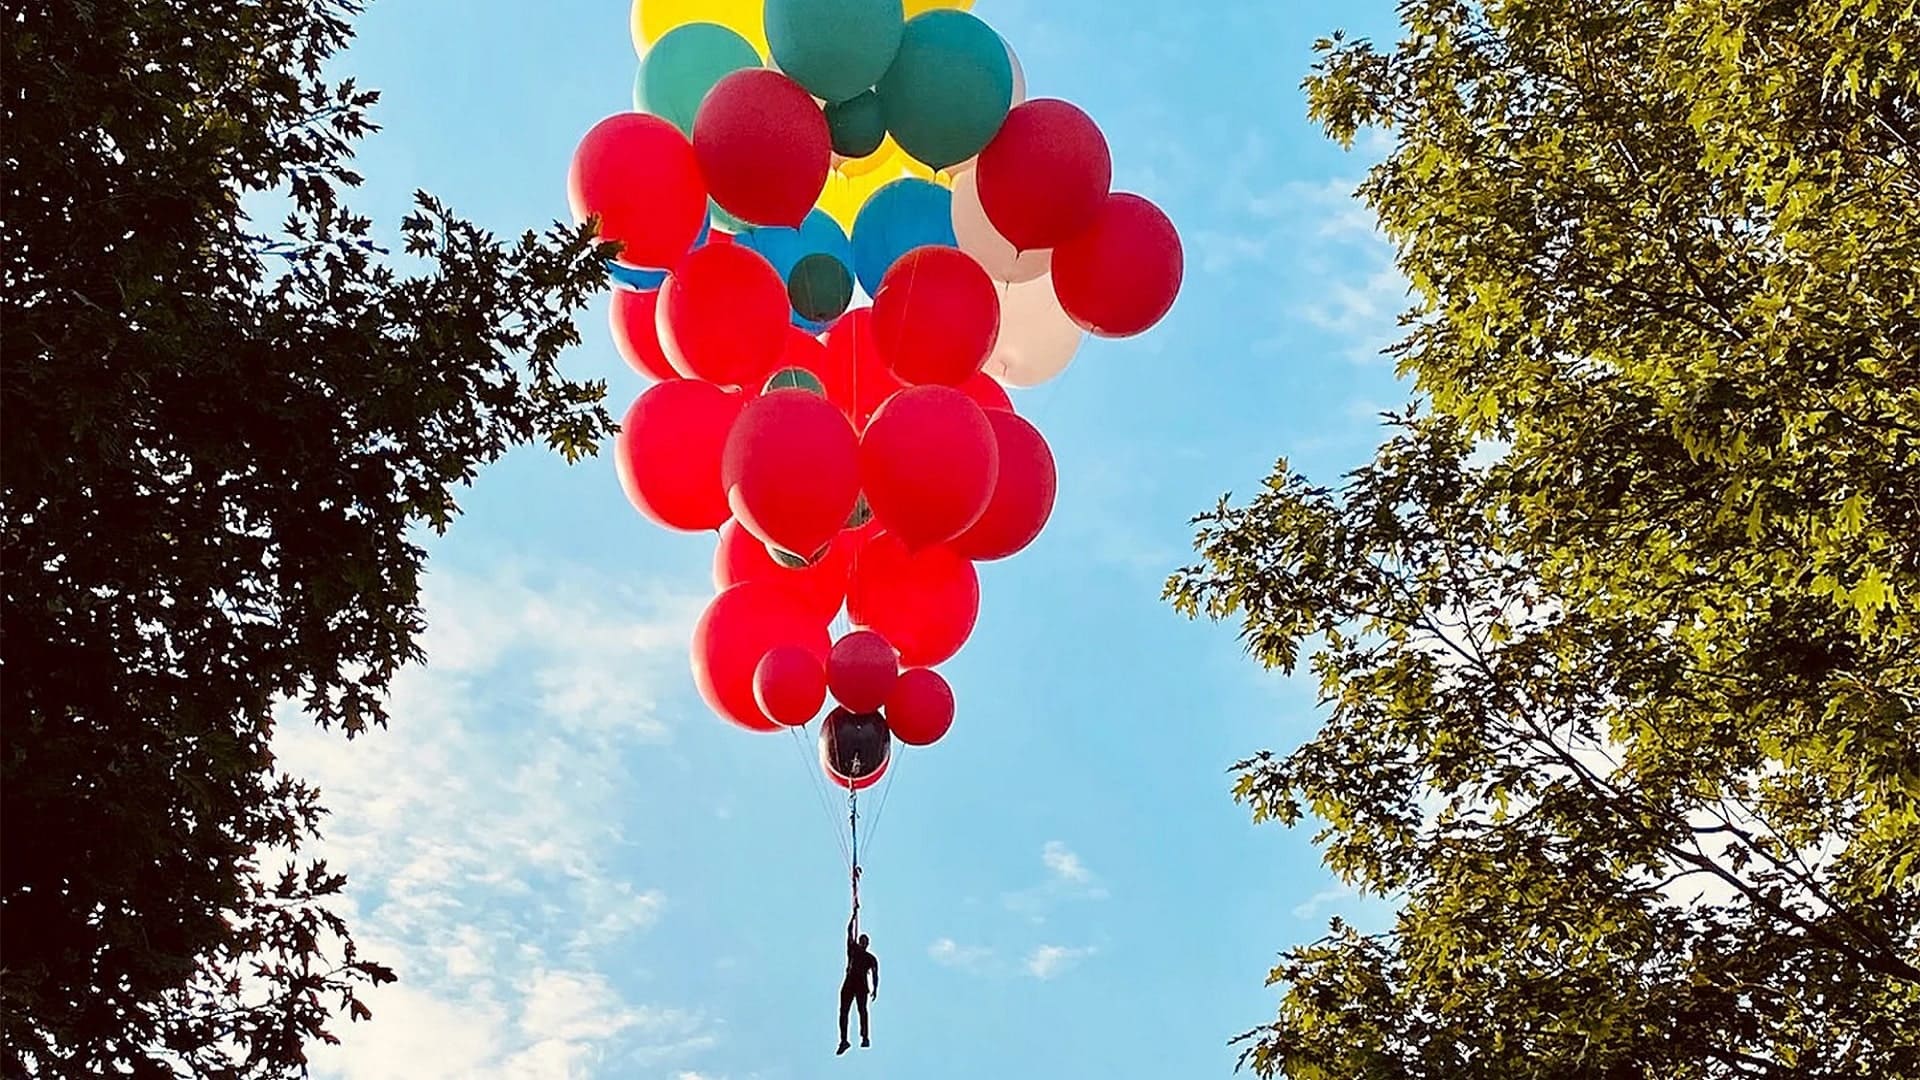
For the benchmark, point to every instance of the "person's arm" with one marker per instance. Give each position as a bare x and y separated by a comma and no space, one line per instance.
851,921
876,977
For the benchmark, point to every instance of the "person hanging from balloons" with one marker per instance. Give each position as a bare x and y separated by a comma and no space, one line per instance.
861,982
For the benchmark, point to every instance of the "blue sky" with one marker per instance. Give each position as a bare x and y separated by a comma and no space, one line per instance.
579,872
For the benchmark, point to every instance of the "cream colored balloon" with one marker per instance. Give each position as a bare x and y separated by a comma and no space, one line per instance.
1019,73
1037,338
978,238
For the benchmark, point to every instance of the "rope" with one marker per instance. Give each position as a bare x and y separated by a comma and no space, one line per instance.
853,827
886,790
820,794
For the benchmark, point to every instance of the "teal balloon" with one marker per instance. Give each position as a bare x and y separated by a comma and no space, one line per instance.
906,214
727,222
834,48
949,87
820,288
856,125
683,65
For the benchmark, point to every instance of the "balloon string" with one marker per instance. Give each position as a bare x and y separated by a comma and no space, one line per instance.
886,790
820,794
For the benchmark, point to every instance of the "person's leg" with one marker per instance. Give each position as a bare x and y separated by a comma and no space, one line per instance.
862,999
846,1002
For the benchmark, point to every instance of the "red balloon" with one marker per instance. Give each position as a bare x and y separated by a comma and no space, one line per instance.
920,709
738,629
936,317
668,453
1023,492
791,469
723,316
639,174
741,556
790,685
806,352
631,315
763,147
927,464
1044,175
1120,275
856,377
924,602
861,670
987,392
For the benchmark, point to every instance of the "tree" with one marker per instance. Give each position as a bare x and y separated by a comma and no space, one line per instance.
1617,630
215,445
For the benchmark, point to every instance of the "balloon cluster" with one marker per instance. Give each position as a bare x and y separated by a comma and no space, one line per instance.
787,160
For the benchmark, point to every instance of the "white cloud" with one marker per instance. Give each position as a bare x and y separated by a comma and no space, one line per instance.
1311,906
480,834
1064,863
1048,961
950,953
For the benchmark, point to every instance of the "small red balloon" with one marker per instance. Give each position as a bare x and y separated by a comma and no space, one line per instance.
668,453
763,147
741,556
639,174
791,468
856,376
1120,275
723,316
634,334
925,603
1023,492
987,392
861,670
927,464
737,630
790,685
936,317
920,709
1044,175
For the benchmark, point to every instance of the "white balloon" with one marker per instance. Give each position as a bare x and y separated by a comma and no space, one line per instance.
977,237
1037,337
1019,74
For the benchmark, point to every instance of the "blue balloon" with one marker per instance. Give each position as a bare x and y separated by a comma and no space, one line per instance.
647,278
819,234
906,214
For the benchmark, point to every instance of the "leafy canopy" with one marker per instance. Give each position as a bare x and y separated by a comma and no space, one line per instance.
215,444
1617,631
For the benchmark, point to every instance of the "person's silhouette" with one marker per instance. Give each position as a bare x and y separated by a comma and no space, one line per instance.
861,964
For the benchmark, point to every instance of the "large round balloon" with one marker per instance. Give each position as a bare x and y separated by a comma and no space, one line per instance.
924,602
819,234
986,392
789,685
834,48
976,236
737,630
763,147
1120,274
861,670
927,464
856,376
919,711
668,452
1023,492
1037,339
639,175
948,89
855,748
684,65
936,317
905,214
631,315
821,586
652,20
723,316
791,468
1044,176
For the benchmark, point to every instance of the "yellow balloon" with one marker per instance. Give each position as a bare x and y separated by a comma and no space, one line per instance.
915,7
651,19
887,157
846,193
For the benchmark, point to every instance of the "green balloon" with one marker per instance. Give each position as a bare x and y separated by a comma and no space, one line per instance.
724,221
862,513
820,287
834,48
856,124
794,378
683,65
949,88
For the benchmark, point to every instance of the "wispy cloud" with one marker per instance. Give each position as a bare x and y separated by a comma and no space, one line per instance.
1049,961
1312,905
1068,878
1065,865
949,953
480,844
